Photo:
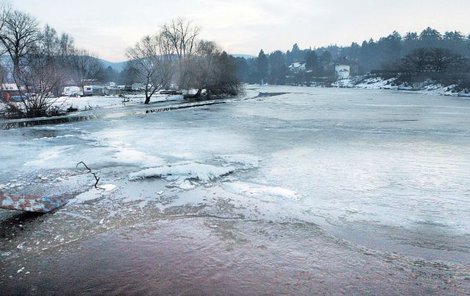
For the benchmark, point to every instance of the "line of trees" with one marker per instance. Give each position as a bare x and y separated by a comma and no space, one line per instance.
40,62
392,53
175,58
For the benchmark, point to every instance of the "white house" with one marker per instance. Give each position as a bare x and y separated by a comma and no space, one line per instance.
8,92
9,87
297,67
343,72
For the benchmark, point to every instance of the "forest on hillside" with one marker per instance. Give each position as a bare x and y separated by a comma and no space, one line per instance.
411,58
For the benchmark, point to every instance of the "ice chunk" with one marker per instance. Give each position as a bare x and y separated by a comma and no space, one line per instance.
189,170
245,160
107,187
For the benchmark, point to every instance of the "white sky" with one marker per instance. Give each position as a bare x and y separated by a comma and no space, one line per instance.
108,27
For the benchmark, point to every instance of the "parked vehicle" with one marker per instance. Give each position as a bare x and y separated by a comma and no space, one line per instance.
72,91
93,90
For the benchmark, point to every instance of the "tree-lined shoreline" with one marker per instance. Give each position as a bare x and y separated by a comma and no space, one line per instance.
412,58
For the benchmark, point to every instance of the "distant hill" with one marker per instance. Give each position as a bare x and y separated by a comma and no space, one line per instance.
119,66
245,56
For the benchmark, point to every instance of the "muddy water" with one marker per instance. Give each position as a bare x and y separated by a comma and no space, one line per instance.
204,256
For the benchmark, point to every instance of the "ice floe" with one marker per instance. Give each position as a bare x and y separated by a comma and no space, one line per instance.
185,170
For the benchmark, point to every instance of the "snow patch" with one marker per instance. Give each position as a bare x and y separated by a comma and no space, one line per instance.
94,193
377,83
107,187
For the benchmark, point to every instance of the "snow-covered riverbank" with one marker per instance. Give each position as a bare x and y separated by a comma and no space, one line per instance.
377,83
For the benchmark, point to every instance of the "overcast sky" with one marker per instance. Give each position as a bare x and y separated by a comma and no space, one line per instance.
108,27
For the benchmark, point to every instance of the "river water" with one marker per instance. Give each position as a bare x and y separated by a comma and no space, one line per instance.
295,191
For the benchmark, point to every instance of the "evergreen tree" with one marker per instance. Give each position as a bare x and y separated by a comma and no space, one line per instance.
243,69
277,68
430,38
296,54
312,60
262,66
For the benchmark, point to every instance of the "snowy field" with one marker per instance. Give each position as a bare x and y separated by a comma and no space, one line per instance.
361,175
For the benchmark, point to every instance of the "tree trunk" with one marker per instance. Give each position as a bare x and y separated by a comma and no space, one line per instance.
147,95
198,94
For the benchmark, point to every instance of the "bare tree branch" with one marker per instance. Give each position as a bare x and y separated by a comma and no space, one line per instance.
89,171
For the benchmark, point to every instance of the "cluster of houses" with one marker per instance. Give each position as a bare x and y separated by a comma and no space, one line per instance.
110,89
10,92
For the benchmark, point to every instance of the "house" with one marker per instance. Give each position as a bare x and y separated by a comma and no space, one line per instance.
9,91
297,67
342,71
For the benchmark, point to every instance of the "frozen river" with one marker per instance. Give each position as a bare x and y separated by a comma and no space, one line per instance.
377,179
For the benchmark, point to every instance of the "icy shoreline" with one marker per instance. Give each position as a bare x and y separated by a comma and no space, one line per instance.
377,83
93,107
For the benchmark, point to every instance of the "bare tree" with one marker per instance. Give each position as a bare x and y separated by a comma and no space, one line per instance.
42,73
151,59
83,65
212,70
41,61
42,77
66,44
4,12
200,67
39,68
19,35
181,35
4,8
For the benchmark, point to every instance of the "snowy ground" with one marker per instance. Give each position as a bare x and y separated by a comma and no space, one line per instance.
377,182
376,83
99,102
89,103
